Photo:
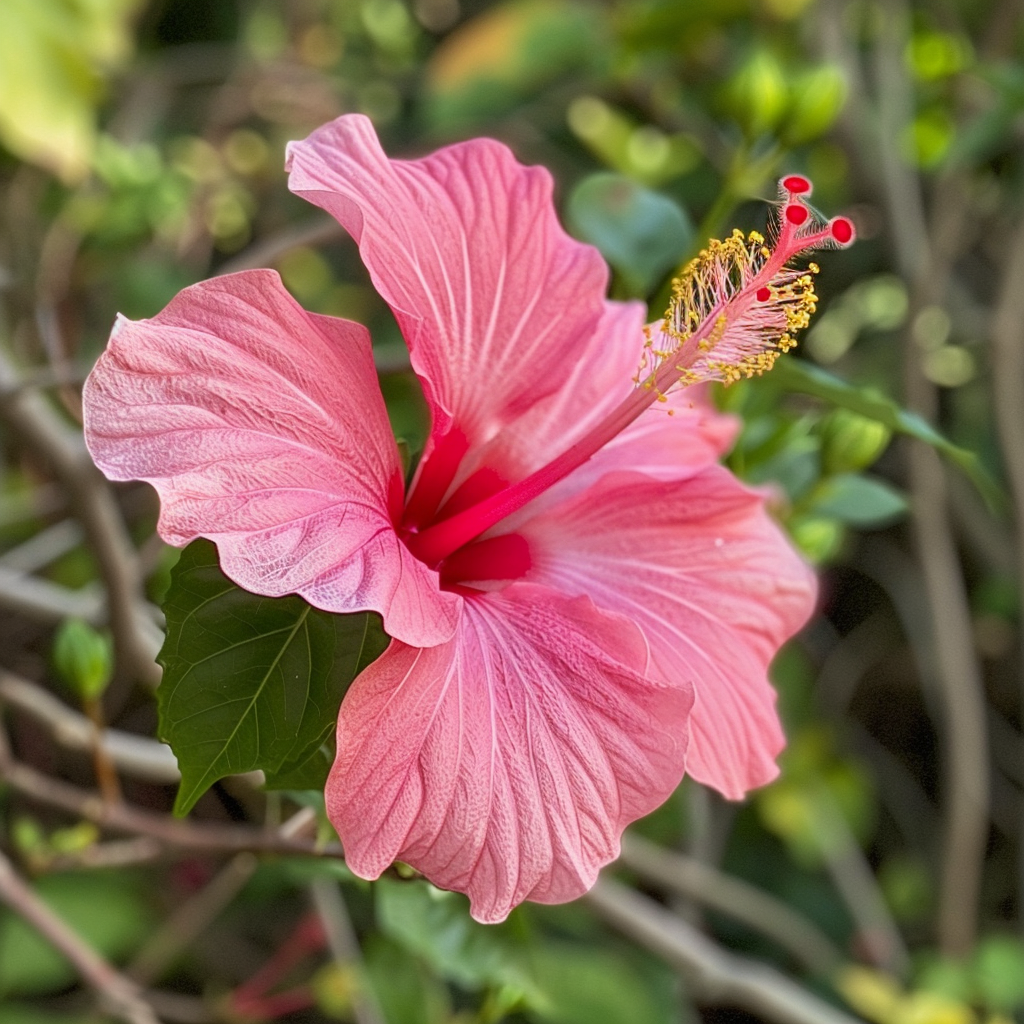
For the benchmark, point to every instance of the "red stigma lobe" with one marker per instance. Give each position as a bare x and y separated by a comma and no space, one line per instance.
842,230
763,294
796,214
797,184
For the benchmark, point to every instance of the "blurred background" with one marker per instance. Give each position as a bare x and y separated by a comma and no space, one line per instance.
880,879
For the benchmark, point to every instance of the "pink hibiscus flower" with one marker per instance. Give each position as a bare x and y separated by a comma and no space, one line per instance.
583,604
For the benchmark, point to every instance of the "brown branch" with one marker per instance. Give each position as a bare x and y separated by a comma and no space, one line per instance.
118,995
183,835
269,250
93,502
741,901
191,919
341,938
924,254
134,755
714,976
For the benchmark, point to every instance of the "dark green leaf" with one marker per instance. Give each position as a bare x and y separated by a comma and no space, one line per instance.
250,682
796,375
310,773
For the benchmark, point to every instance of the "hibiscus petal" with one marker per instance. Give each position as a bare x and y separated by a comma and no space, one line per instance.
493,297
262,428
506,763
662,445
714,586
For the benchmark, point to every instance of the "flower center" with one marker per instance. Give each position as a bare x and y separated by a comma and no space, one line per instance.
735,308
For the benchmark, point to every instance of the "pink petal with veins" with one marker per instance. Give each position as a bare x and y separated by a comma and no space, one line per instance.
715,587
262,428
494,299
506,763
663,446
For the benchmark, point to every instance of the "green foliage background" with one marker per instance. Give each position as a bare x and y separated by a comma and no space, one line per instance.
141,149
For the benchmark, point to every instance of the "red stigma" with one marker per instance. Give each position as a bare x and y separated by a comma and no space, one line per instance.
842,230
797,184
797,214
763,294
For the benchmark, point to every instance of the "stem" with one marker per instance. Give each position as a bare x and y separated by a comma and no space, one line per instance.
103,765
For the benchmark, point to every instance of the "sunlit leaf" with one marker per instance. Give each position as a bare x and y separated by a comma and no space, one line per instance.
53,56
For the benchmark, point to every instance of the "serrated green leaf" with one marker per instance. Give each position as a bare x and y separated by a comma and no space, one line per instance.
796,375
250,682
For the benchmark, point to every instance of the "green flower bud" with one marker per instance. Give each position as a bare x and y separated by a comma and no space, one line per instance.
84,658
851,442
817,98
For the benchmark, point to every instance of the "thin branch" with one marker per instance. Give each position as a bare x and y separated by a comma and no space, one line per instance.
198,912
191,919
341,938
269,250
714,976
183,835
740,900
44,547
49,602
118,995
133,755
852,876
926,265
93,502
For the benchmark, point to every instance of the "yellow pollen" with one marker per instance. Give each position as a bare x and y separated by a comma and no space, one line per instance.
716,327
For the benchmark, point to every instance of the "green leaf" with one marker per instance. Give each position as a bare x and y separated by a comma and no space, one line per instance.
998,968
310,773
29,965
641,233
796,375
584,985
406,991
250,682
436,926
858,500
53,57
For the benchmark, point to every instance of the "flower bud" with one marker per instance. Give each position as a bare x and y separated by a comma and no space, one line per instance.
851,442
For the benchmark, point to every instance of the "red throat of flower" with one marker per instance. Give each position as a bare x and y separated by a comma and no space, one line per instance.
735,308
